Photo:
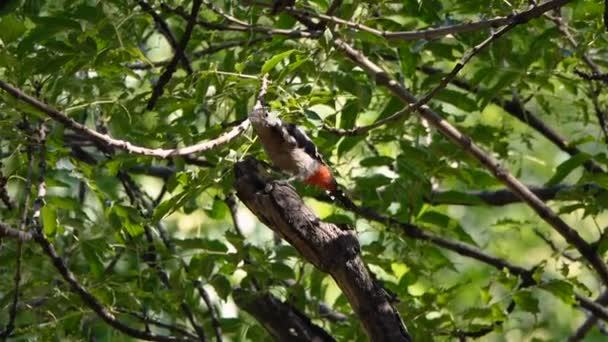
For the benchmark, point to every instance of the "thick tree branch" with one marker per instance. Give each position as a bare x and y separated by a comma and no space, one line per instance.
108,141
326,246
282,320
417,233
178,54
491,164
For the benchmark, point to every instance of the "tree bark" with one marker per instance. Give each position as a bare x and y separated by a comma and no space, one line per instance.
332,249
283,321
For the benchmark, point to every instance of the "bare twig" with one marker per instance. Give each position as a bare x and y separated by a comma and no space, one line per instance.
491,164
215,322
166,32
108,141
178,54
506,196
426,98
516,109
532,13
93,303
434,33
21,235
210,50
151,256
172,328
247,28
7,231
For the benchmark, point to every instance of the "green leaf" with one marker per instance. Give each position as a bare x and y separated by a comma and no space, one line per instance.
93,260
282,271
376,161
49,220
560,289
201,243
272,62
221,286
526,301
565,168
11,28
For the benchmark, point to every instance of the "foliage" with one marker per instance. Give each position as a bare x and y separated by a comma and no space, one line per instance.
99,61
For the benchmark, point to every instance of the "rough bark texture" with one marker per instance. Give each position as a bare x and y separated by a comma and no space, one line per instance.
328,247
283,321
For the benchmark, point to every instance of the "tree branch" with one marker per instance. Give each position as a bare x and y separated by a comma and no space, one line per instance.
108,141
326,246
269,31
178,54
92,302
434,33
506,196
592,320
7,231
514,108
491,164
208,51
282,320
414,106
426,98
166,32
20,234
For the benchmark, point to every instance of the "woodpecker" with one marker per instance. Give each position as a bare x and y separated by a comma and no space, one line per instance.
291,150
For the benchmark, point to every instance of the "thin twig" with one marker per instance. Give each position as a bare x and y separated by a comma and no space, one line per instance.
215,322
426,98
505,196
434,33
210,50
21,235
491,164
179,52
516,109
248,28
108,141
172,328
92,302
166,32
